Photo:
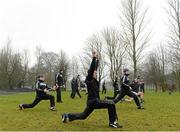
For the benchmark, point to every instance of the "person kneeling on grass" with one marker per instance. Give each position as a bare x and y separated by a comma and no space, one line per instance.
93,101
41,94
136,90
127,90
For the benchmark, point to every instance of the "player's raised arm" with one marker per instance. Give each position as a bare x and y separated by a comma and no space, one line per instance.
97,61
92,67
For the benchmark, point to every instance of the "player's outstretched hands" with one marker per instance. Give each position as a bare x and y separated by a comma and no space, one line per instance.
46,91
98,56
54,88
94,54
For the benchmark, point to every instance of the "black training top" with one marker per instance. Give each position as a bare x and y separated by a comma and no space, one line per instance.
125,83
40,86
74,83
135,87
59,79
92,83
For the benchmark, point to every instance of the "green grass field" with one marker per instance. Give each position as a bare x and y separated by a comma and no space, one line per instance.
162,113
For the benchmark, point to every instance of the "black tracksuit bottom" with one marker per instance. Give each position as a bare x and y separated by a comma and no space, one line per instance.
104,91
142,88
74,91
40,97
122,93
58,94
95,104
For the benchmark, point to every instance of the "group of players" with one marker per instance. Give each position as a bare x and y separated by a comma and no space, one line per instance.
93,99
136,87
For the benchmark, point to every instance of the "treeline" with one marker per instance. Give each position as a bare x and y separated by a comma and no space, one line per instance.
15,71
119,47
126,47
163,63
13,68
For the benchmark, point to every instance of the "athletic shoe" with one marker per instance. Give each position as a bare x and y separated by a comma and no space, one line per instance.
142,108
115,125
21,107
52,109
65,118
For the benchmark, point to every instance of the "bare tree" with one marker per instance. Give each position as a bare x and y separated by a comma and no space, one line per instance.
114,50
156,67
152,69
162,57
94,42
25,68
39,64
63,64
49,61
10,67
37,68
74,66
132,17
174,37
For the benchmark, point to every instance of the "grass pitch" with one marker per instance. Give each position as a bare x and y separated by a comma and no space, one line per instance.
162,113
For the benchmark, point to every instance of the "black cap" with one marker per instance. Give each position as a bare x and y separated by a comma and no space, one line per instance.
125,69
39,76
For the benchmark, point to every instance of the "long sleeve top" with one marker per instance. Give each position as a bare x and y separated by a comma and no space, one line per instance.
92,83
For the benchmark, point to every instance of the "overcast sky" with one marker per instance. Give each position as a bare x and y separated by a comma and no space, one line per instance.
65,24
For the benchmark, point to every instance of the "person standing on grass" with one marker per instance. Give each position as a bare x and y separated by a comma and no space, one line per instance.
127,90
142,83
104,87
75,86
59,82
72,87
135,85
41,94
93,100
